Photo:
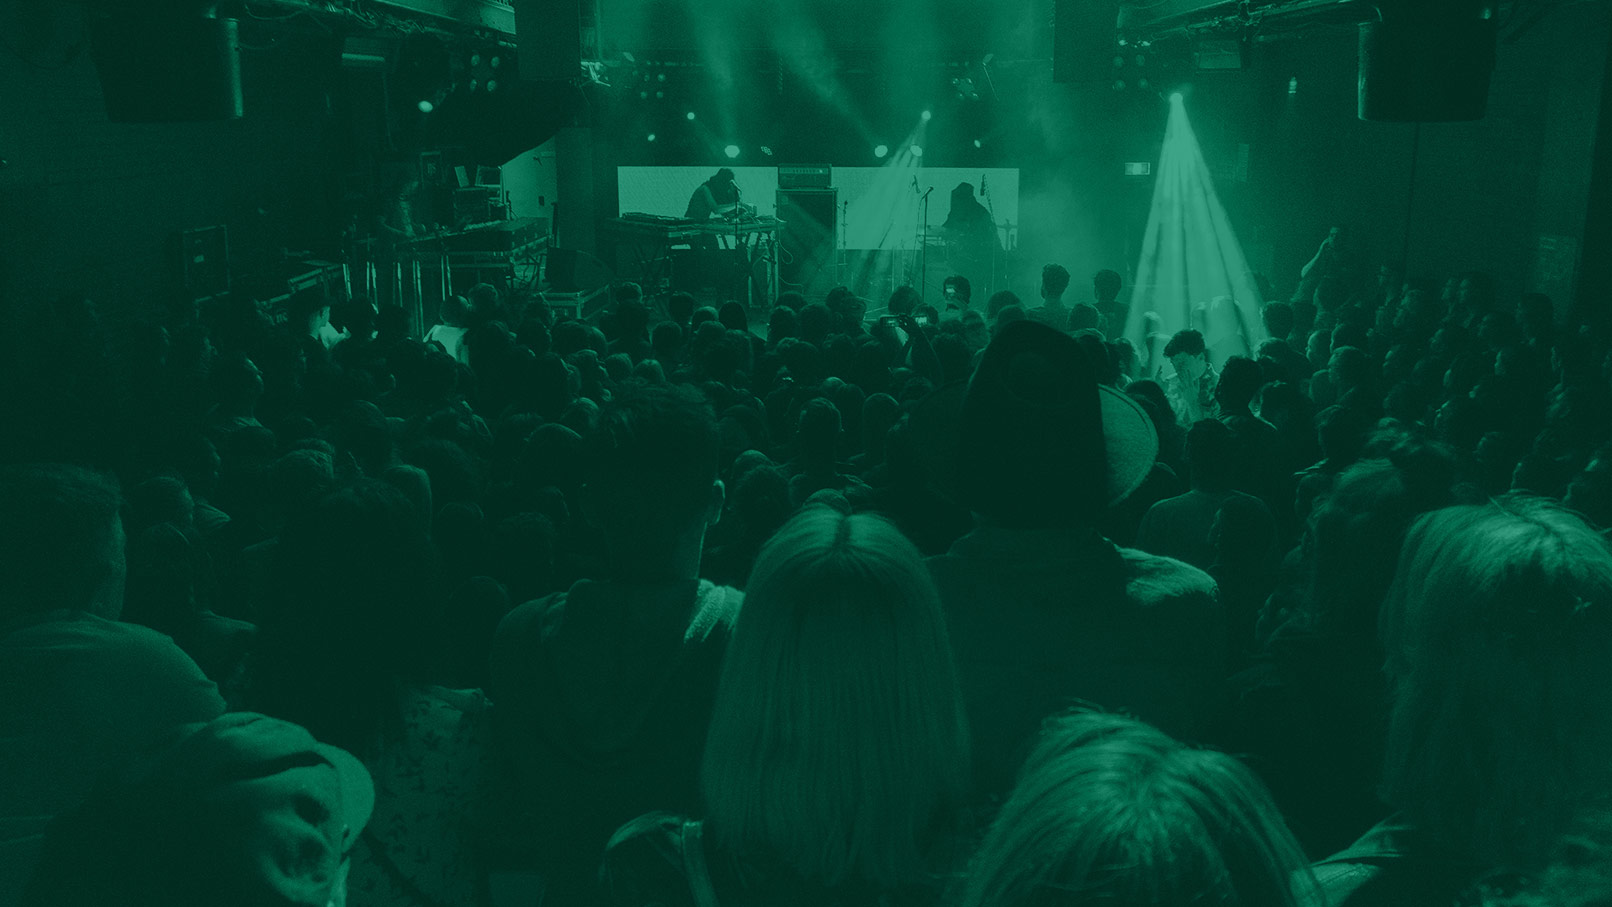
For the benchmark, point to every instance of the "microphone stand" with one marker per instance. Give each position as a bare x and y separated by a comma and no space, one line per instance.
991,207
738,243
923,250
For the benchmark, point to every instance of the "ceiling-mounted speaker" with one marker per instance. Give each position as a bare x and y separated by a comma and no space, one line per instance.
1428,68
165,68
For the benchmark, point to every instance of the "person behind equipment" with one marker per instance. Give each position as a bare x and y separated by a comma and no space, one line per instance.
718,195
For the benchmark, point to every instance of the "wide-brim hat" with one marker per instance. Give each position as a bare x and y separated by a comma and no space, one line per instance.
1033,427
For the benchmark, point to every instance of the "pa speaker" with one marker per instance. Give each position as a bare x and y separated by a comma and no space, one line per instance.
168,68
555,36
1084,33
806,239
1426,69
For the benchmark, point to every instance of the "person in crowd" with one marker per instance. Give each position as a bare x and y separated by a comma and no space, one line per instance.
836,768
1179,527
1052,311
817,466
1260,469
1191,383
449,331
244,809
1108,810
83,692
1497,638
959,294
1105,287
1310,712
604,690
349,649
1041,450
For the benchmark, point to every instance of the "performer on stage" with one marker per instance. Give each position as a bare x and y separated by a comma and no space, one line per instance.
971,234
716,197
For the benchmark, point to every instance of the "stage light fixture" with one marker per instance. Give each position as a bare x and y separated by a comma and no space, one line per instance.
1293,85
731,151
926,116
767,150
917,151
426,106
1177,97
690,115
492,84
475,59
1119,84
495,62
881,150
643,95
978,144
650,137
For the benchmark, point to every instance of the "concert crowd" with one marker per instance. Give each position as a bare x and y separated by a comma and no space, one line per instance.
882,603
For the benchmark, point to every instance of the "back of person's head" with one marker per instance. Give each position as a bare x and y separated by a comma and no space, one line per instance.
1185,343
816,321
626,291
1084,317
818,433
837,742
903,301
1498,637
783,322
1105,285
1109,812
703,314
1357,530
955,357
667,340
1240,379
61,541
652,462
1349,368
236,379
680,306
1000,300
1341,433
1007,316
1212,453
1054,280
733,317
792,299
1278,318
355,607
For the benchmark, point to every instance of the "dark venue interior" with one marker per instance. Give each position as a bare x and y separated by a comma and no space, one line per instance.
871,453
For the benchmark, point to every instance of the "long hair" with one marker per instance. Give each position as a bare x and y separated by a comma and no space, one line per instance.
1109,811
838,743
1498,636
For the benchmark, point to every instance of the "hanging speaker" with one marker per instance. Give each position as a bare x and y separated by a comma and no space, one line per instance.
1084,33
1427,69
168,68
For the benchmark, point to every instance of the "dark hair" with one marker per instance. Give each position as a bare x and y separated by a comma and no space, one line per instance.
356,607
1054,279
653,457
733,317
903,301
1106,285
1212,455
680,306
1084,317
1000,300
1279,318
964,288
791,299
1240,379
1187,342
60,538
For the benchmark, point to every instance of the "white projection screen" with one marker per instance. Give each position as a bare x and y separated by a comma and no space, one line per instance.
880,211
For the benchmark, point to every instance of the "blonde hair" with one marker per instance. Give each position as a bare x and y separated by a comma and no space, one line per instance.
1498,637
1111,811
838,741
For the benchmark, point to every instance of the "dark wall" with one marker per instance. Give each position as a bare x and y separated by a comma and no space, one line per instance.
1506,194
88,206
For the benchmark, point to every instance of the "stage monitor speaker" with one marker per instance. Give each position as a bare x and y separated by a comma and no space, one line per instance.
1084,35
807,249
1426,69
574,271
158,68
